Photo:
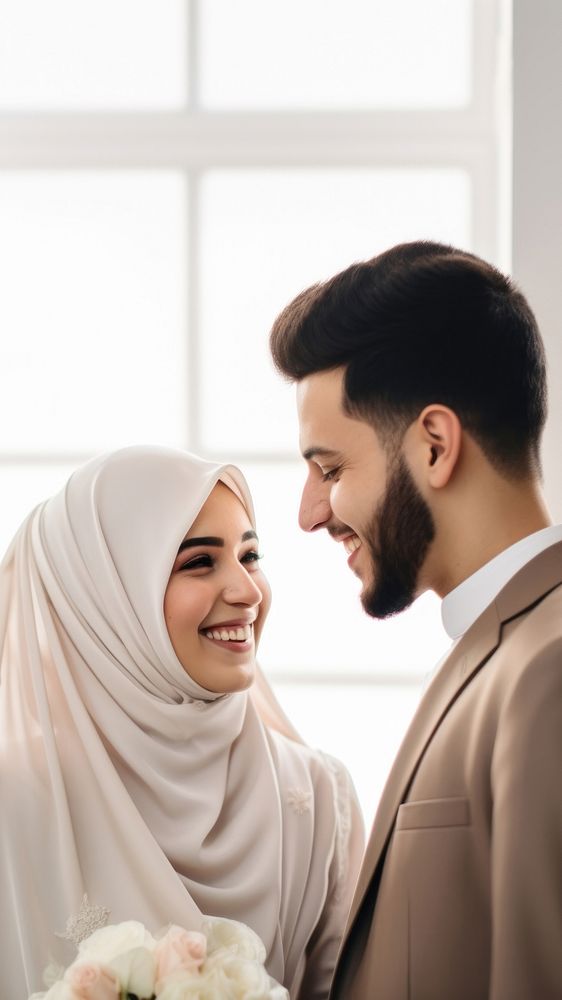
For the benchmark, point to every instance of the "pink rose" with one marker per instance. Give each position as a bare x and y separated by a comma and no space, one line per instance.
90,981
179,951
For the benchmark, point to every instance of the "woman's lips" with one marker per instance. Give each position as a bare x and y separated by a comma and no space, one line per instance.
237,637
235,646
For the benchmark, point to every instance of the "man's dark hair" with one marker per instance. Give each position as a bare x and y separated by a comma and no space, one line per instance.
426,323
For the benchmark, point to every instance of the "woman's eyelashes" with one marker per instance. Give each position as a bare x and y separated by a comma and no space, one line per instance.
207,561
252,557
198,562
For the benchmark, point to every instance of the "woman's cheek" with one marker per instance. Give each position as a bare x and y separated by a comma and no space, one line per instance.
263,584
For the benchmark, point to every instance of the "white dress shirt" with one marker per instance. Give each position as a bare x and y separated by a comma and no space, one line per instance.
464,604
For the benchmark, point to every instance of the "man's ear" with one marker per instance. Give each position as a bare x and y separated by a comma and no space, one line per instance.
439,437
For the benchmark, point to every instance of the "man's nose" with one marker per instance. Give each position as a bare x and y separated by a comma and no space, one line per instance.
315,510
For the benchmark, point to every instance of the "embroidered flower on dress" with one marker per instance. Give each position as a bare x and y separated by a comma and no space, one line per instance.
299,800
89,919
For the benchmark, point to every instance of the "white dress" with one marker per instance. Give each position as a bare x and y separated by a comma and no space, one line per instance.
127,790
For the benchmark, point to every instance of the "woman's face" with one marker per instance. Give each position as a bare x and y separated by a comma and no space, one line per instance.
214,603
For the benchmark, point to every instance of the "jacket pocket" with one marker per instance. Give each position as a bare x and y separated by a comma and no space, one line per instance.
433,813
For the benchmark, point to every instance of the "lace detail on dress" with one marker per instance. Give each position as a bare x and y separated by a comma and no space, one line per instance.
89,919
342,803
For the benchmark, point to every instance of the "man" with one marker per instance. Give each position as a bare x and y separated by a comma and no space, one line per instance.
421,395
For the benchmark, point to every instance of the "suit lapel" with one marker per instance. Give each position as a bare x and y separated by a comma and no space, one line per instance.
453,675
527,587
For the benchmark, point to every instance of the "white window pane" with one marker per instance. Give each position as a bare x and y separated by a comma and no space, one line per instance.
22,487
329,54
363,725
76,55
268,234
316,623
92,310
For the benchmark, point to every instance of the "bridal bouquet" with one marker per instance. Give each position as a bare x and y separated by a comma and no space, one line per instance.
125,962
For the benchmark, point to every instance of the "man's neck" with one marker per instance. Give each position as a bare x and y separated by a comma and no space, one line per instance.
463,605
472,533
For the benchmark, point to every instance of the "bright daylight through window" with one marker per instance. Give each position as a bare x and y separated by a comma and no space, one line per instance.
153,225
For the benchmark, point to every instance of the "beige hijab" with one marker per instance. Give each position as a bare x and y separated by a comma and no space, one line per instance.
122,780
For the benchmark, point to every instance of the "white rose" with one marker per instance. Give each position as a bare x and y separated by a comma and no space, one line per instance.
58,991
136,971
277,992
235,937
247,979
207,985
53,973
106,943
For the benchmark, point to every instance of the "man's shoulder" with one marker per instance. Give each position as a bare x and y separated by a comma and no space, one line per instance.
529,655
532,584
538,626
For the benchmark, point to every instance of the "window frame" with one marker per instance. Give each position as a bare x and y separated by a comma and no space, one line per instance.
194,140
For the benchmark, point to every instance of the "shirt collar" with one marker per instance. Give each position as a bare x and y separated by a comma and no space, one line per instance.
464,604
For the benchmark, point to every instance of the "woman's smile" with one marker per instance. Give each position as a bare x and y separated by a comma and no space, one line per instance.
214,596
235,636
232,645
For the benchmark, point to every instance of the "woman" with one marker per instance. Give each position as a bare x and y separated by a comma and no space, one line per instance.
138,779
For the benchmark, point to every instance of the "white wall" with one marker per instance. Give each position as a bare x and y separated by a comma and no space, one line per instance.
537,198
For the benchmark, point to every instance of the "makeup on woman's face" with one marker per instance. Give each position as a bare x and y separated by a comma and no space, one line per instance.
213,601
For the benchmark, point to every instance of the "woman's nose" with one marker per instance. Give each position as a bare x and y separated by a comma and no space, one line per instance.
241,588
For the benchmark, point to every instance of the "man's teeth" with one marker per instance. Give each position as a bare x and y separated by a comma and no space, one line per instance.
242,634
351,543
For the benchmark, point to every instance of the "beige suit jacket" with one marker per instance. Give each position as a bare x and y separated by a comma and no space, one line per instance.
460,894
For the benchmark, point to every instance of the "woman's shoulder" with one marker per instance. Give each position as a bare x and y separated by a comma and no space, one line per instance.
314,782
323,774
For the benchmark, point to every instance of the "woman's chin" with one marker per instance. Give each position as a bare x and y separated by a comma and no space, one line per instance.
227,680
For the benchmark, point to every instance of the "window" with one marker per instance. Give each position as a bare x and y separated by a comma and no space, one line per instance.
170,176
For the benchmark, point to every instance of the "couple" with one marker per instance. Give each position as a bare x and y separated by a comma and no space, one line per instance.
138,771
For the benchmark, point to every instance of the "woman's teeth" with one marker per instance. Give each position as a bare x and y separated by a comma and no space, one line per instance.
351,543
231,634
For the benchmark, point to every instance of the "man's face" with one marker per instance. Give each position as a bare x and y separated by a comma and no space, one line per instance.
363,495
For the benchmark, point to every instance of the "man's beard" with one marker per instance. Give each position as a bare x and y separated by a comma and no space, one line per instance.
398,538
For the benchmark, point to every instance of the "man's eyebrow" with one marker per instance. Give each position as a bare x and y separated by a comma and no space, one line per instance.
317,451
211,540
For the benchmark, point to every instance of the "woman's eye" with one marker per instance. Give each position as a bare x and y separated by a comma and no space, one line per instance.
199,562
251,557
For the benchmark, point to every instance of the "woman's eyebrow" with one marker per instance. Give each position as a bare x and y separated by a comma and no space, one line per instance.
191,543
